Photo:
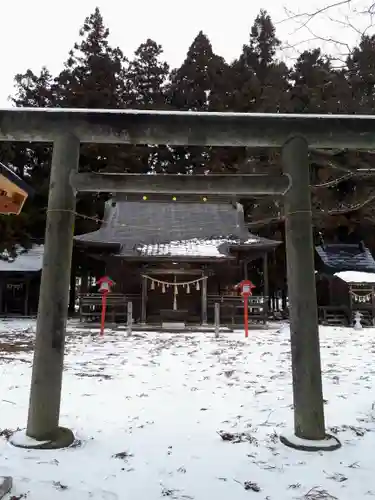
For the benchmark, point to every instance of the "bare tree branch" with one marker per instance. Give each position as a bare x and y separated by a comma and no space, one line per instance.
318,212
353,18
292,16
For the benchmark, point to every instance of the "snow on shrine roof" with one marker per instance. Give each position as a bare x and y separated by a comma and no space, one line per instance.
146,228
356,277
25,261
190,248
218,248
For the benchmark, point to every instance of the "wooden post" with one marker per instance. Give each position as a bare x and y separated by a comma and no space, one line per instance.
144,301
45,394
204,300
84,281
245,269
72,288
266,290
27,292
129,322
306,367
217,319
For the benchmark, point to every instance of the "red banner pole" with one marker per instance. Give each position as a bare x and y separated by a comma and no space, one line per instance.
104,307
246,315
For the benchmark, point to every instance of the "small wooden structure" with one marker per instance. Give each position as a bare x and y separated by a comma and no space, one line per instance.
175,259
90,305
20,281
13,191
17,281
345,283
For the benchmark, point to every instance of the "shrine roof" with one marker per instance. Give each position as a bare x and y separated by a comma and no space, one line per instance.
339,257
174,229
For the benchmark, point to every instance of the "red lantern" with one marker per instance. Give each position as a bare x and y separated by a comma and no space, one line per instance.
105,285
246,287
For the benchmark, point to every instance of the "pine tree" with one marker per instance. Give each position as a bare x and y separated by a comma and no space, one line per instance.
31,162
260,81
316,86
197,86
200,77
94,74
361,75
94,77
146,80
146,77
361,80
34,90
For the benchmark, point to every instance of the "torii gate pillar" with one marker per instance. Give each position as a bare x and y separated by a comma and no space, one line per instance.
46,382
309,427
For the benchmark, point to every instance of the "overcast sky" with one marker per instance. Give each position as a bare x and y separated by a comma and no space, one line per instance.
36,33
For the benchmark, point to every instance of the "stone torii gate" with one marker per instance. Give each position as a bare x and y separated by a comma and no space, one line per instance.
68,128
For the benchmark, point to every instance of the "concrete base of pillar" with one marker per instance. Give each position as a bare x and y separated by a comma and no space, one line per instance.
330,443
6,483
63,439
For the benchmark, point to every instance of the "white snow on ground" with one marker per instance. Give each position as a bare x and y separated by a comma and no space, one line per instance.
147,411
25,260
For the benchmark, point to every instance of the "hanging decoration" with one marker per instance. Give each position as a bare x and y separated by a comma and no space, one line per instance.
166,284
175,284
360,297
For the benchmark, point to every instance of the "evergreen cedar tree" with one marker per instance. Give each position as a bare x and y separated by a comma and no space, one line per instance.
98,75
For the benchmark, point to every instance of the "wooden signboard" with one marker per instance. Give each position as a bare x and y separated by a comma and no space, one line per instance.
13,192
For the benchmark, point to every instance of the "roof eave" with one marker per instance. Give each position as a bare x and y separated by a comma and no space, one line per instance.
176,258
97,244
256,246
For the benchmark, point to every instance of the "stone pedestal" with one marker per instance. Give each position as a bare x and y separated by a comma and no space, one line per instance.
6,483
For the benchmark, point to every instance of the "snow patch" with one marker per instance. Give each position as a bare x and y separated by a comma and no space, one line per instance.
152,406
215,247
25,260
356,276
22,440
190,248
317,444
251,240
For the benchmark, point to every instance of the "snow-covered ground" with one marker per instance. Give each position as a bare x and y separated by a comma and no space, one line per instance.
148,410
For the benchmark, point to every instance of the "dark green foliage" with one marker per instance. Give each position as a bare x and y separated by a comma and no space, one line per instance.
98,75
147,77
